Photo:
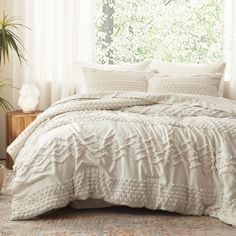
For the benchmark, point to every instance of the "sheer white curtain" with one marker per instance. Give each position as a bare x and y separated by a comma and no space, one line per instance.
230,45
60,33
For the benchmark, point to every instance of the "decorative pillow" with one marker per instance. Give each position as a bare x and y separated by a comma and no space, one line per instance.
167,68
198,84
80,84
97,80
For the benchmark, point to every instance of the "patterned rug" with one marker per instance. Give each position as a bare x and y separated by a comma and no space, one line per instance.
114,221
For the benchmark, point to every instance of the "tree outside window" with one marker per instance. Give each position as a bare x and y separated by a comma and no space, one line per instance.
171,30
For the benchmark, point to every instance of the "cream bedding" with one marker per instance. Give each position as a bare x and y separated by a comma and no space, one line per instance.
169,152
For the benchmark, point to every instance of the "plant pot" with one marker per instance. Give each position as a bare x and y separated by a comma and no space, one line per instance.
1,176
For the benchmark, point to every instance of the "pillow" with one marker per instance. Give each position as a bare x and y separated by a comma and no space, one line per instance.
185,69
97,80
142,66
198,84
162,67
80,83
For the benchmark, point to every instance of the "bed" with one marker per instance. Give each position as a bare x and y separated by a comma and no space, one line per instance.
170,152
153,149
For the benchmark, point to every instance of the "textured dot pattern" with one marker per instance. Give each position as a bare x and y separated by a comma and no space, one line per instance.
103,81
205,84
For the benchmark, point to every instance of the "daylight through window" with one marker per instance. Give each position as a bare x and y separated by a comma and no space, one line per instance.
172,30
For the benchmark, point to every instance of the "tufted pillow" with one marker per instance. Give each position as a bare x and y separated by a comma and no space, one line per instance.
97,80
198,84
80,65
167,68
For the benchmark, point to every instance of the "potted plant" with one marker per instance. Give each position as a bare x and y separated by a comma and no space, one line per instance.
9,41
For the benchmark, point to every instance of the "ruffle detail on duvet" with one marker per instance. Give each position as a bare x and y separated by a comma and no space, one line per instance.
75,143
93,183
121,101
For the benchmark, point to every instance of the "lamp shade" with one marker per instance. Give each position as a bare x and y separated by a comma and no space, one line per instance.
28,99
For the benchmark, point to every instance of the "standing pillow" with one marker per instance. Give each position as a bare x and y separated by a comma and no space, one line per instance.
97,80
141,66
185,69
199,84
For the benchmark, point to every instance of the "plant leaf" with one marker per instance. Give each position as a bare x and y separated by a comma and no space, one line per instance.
5,105
9,40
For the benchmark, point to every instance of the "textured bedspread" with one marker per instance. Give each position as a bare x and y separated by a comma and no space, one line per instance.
169,152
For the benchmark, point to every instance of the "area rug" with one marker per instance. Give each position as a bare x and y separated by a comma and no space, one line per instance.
114,221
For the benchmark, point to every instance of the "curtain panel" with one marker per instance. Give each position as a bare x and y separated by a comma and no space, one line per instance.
230,45
58,37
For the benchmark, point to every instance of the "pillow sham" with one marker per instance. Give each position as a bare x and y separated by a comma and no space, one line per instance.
197,84
81,82
168,68
185,69
97,80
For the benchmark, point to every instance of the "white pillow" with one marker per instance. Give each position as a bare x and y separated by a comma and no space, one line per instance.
162,67
80,83
97,80
198,84
185,69
142,66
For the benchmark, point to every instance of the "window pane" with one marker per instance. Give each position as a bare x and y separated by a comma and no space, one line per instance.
172,30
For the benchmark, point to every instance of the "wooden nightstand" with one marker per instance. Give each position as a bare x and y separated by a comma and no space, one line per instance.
16,122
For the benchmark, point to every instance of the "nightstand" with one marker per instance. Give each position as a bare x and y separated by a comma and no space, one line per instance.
16,122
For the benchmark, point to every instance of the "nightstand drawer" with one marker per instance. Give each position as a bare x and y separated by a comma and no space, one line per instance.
16,122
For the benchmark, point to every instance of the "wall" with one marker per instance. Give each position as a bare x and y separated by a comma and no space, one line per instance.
6,72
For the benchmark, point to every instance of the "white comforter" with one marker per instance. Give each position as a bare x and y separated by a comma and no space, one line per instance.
169,152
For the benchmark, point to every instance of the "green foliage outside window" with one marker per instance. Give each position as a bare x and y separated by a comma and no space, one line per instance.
171,30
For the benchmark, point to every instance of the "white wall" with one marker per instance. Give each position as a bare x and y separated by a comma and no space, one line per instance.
6,72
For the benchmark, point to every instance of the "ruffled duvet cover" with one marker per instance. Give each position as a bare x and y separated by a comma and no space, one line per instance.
169,152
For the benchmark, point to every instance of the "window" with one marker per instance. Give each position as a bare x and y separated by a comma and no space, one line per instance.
172,30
